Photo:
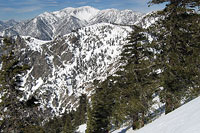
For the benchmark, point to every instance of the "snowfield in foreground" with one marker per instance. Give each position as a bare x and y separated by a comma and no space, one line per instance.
185,119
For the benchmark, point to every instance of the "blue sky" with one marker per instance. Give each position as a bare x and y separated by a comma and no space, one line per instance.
26,9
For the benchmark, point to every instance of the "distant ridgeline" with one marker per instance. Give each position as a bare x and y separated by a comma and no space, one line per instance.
49,25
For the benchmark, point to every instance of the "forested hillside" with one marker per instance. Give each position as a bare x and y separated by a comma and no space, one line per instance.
160,60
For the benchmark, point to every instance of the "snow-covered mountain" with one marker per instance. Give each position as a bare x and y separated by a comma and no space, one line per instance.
49,25
6,24
124,17
63,69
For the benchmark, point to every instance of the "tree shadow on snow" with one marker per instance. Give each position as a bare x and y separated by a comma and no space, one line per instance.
124,130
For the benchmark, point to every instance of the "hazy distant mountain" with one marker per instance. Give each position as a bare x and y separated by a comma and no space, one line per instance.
124,17
47,26
7,24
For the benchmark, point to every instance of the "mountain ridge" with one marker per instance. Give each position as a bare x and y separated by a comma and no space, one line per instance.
49,25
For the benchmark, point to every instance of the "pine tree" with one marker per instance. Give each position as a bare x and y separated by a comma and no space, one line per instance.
137,78
190,3
69,124
80,114
178,44
100,111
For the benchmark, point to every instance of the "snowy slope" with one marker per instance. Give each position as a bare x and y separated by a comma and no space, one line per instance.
82,128
185,119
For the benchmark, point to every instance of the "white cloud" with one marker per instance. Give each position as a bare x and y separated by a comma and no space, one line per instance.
97,1
20,10
82,3
31,3
138,2
28,9
7,9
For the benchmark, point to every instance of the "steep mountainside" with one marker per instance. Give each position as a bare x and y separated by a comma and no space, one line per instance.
64,68
47,26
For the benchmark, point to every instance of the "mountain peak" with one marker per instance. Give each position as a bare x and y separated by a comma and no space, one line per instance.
85,13
48,25
86,7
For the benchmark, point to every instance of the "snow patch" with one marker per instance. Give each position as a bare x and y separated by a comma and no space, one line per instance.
34,44
39,82
82,128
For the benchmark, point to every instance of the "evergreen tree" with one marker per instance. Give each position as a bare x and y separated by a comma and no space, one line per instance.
137,78
178,44
69,124
80,114
102,103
